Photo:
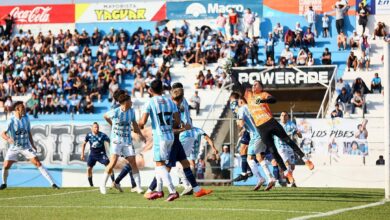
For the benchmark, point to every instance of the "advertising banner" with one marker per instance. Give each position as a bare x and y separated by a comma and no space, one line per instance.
382,7
337,136
290,77
304,6
121,12
207,9
59,145
40,14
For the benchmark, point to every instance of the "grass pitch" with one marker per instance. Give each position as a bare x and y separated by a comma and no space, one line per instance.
224,203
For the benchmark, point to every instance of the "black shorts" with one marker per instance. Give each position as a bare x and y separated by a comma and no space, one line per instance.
225,174
245,138
101,158
177,153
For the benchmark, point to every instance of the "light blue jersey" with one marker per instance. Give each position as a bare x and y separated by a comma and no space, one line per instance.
161,110
249,124
121,125
291,129
185,117
19,130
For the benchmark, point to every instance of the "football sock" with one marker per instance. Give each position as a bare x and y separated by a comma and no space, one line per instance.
163,174
5,175
255,169
45,174
125,170
90,180
266,169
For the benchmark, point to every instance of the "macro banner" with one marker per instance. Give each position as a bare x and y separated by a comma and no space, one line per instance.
208,9
40,14
121,12
382,7
336,136
59,145
289,77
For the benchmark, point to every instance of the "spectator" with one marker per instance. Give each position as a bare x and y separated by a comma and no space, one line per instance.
278,31
310,59
340,8
342,41
139,85
253,50
289,38
364,45
359,85
74,104
380,161
342,84
352,61
326,57
195,102
209,79
363,16
344,98
270,47
288,55
325,25
62,105
302,58
364,61
9,23
337,112
88,107
358,102
215,164
354,40
225,162
32,105
221,23
270,62
8,105
376,84
298,35
112,88
308,38
233,21
310,16
249,19
380,30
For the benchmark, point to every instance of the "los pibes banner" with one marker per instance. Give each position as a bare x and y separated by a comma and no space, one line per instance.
121,12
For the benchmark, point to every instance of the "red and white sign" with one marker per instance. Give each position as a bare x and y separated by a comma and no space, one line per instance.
40,14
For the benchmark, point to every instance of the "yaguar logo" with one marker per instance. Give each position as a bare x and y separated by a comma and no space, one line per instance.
121,14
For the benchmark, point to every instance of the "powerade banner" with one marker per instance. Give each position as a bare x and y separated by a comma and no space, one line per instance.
206,9
297,77
121,12
59,144
40,14
336,137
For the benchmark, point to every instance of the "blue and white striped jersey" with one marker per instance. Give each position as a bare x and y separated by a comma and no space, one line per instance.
121,125
199,133
291,129
249,124
96,142
185,117
19,130
161,110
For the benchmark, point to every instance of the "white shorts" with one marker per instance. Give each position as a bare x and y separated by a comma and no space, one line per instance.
12,155
161,149
287,155
256,146
122,149
188,145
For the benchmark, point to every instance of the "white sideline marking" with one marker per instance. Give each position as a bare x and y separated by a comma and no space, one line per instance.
46,195
338,211
159,207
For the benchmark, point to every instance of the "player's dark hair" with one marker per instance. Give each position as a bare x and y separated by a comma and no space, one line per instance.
156,86
177,85
235,95
243,99
117,93
261,84
177,94
123,98
17,104
95,123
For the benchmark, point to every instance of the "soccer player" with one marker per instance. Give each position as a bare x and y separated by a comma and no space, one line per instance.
164,116
256,147
96,140
177,153
244,141
121,120
285,150
18,136
268,127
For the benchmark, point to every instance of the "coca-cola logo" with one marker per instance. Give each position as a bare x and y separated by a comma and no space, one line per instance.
36,15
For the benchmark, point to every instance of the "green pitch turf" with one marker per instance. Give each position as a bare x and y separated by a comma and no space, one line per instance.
224,203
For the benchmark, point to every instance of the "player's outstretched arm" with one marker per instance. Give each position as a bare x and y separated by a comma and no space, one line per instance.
211,143
108,119
83,150
137,130
269,100
6,137
143,120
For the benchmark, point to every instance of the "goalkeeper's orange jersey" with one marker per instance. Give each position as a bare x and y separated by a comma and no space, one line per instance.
260,112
